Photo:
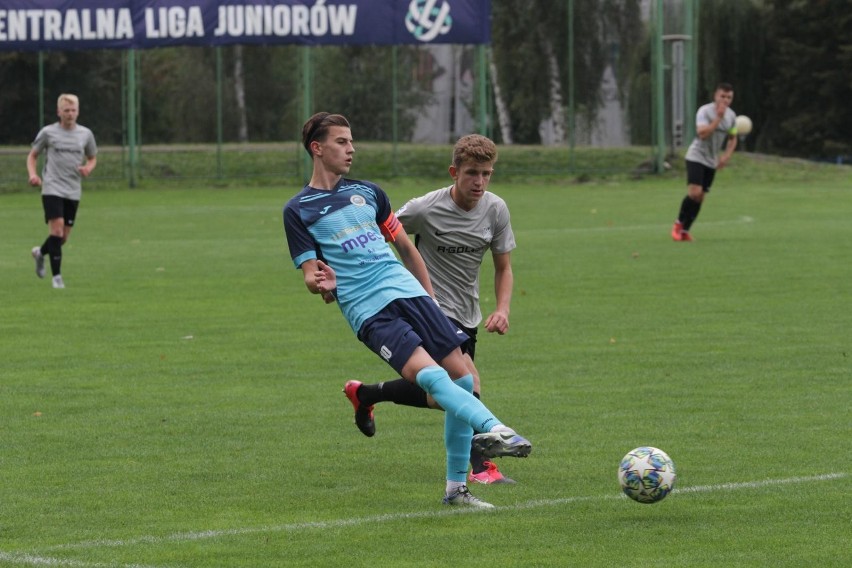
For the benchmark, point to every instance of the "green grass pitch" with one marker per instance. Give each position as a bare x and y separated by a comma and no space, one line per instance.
179,404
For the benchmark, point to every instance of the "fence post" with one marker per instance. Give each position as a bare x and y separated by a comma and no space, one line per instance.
307,108
572,123
482,92
218,112
658,90
40,90
692,73
131,116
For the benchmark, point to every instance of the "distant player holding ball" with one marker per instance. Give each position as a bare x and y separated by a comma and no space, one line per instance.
715,128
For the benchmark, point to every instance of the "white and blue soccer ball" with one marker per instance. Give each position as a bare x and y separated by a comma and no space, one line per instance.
646,474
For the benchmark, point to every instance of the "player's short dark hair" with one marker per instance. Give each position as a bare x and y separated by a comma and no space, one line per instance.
726,87
316,128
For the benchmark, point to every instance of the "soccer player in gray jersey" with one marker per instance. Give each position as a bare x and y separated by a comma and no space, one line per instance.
71,154
453,228
715,129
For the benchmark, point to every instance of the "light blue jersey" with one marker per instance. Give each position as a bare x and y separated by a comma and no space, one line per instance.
348,228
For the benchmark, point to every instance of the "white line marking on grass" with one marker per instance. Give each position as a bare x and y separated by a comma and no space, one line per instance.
31,559
762,483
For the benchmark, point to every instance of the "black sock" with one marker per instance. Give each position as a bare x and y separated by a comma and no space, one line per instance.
54,250
689,209
477,461
398,391
683,214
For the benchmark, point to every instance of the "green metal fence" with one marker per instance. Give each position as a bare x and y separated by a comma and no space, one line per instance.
652,115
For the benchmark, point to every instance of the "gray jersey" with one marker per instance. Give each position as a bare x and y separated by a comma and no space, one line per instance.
707,151
453,242
66,150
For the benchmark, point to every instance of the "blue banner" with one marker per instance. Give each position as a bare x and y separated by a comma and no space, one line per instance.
131,24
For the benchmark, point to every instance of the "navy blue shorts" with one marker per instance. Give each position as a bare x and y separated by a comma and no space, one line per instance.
56,207
699,174
406,324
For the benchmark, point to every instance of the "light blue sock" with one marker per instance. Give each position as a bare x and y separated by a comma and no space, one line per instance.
455,400
457,435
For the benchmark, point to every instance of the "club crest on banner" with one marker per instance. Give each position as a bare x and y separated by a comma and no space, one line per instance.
427,19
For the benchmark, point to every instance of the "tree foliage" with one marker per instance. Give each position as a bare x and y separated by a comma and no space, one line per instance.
732,49
603,31
95,76
809,79
357,81
790,62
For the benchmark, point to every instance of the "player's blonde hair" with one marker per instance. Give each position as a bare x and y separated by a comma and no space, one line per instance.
67,97
474,147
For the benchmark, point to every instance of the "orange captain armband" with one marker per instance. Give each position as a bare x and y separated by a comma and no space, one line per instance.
391,227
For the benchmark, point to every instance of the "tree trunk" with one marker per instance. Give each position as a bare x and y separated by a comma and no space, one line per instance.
557,109
503,118
240,93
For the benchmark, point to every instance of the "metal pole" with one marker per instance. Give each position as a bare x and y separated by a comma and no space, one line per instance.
131,117
307,107
692,11
40,90
678,72
659,92
572,139
138,110
219,112
395,103
489,100
123,116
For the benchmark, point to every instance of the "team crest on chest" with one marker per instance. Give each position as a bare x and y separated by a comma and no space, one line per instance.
358,200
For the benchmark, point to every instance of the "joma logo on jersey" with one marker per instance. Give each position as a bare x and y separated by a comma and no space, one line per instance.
457,250
359,241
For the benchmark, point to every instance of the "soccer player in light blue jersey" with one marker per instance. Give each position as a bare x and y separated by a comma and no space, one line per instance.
338,232
714,144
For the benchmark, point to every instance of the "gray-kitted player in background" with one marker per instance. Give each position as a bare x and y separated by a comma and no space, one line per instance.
70,155
715,129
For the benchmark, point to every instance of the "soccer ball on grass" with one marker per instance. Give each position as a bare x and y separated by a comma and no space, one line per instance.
646,474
